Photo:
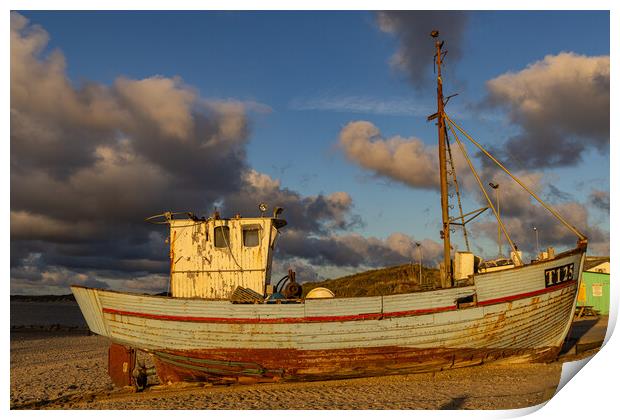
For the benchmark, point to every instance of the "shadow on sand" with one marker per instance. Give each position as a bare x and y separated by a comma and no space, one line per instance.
456,403
580,328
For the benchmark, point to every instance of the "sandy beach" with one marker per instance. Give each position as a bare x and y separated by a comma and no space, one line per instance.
56,367
63,370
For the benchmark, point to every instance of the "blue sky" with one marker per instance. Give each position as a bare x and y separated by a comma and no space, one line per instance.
311,73
282,59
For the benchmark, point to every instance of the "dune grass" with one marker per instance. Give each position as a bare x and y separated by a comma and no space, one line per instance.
384,281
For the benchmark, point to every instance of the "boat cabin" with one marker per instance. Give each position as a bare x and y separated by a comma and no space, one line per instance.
467,264
210,257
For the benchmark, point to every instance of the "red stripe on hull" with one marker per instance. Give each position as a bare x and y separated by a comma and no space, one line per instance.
335,318
528,294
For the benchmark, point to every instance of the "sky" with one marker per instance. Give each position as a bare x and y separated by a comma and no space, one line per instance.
116,116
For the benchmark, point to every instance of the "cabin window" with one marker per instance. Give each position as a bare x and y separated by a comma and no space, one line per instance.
222,237
251,236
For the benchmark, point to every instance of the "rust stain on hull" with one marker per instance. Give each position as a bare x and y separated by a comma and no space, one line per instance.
274,365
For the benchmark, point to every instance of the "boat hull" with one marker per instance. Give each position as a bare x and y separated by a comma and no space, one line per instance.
517,314
296,365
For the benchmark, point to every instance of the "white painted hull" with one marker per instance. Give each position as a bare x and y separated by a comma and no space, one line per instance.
516,314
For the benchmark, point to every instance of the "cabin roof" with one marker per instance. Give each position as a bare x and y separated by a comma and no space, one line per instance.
277,221
592,262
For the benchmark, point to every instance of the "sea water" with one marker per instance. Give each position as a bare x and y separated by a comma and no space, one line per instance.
66,314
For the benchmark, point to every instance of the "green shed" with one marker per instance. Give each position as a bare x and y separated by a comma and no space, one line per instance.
594,289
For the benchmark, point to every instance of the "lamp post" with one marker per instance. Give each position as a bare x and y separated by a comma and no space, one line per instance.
499,234
537,246
417,244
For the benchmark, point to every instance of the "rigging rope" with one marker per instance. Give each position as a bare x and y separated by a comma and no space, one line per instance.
456,189
473,170
229,249
557,215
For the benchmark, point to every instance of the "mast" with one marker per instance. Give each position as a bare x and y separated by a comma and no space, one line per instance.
446,278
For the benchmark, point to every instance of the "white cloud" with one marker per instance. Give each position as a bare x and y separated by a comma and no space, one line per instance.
407,160
363,105
561,104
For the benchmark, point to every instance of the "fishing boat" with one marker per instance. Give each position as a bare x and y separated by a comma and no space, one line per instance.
223,320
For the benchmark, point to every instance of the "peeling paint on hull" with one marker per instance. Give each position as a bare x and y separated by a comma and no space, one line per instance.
275,365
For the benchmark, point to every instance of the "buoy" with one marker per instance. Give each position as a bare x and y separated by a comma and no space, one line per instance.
320,293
